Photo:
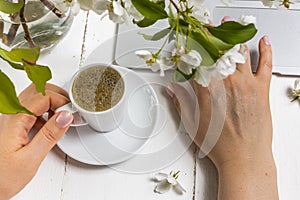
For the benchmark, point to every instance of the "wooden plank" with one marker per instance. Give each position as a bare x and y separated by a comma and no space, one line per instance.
206,180
286,137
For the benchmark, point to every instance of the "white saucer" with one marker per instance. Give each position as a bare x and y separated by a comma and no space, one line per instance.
90,147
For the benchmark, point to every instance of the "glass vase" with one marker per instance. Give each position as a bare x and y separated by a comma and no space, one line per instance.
45,23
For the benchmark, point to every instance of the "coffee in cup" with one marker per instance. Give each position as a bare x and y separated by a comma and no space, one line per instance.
98,94
98,88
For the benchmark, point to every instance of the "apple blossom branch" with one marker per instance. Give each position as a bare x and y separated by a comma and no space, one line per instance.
27,35
52,7
175,6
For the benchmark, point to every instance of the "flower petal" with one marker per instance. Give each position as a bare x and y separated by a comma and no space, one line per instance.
247,19
100,7
86,4
172,180
118,9
155,67
160,176
203,75
75,9
268,3
166,63
180,188
163,187
297,85
189,61
143,54
185,68
115,18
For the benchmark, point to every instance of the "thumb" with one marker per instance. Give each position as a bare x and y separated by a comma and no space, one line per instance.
49,135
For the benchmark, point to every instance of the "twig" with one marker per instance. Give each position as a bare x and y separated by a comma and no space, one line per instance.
176,6
25,28
52,7
8,38
1,28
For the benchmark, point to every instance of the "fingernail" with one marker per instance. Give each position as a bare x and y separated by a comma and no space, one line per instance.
227,19
266,40
169,91
64,119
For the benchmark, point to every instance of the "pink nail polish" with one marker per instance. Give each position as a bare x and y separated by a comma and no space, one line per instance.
64,119
227,19
266,40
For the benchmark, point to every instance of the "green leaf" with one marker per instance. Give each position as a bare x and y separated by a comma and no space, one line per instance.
219,43
204,45
145,22
38,74
14,65
233,32
157,36
9,7
150,10
9,103
18,54
179,76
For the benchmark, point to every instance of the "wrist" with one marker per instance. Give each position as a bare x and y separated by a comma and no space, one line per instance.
246,161
248,179
248,166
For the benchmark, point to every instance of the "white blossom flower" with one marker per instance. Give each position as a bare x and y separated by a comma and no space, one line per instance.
269,3
88,4
199,10
65,5
132,11
223,67
186,62
226,65
247,19
167,181
156,63
203,75
278,3
296,90
117,13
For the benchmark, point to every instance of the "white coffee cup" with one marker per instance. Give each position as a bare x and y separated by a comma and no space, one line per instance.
101,121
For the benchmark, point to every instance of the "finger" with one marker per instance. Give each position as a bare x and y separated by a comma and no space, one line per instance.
185,106
48,136
226,19
31,90
181,98
264,69
246,67
57,89
39,104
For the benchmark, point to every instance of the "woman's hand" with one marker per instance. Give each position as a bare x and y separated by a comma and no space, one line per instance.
20,157
243,151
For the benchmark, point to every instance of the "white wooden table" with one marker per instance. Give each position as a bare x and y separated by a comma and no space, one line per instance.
61,177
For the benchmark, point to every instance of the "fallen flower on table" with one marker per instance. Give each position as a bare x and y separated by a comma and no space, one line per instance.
296,90
168,181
